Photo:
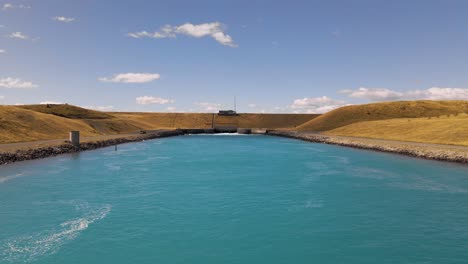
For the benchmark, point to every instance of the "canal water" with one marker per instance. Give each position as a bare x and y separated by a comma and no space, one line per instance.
233,199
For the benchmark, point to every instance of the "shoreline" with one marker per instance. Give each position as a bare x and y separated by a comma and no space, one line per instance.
447,153
65,148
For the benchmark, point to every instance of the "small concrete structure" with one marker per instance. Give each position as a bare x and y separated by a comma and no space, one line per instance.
244,130
219,129
259,131
227,113
196,130
74,138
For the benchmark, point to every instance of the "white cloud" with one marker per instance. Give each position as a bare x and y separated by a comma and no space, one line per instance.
15,83
132,78
252,105
50,102
374,94
18,35
144,100
2,97
7,6
104,108
209,107
63,19
214,30
434,93
316,105
2,51
171,109
167,31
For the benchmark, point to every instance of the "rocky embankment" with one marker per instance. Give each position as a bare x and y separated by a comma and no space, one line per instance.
44,152
427,151
457,154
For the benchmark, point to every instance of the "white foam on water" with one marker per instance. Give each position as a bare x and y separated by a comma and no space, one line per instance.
316,166
112,166
313,148
28,248
10,177
424,184
373,173
52,170
151,159
340,159
57,169
313,203
408,182
162,157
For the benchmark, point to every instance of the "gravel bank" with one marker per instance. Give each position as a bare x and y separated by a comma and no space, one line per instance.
427,151
49,151
457,154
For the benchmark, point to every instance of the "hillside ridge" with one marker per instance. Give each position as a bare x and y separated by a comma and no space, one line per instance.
383,111
54,121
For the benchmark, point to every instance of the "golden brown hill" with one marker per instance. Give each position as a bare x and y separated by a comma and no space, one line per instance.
382,111
41,122
66,110
266,120
167,120
205,120
451,129
18,124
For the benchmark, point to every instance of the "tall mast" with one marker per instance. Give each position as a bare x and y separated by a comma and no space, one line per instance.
235,105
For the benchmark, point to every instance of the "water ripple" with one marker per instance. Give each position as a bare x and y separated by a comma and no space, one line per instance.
28,248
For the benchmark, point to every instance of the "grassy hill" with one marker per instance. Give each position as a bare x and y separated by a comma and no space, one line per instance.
19,124
205,120
167,120
41,122
444,122
268,120
442,130
65,110
383,111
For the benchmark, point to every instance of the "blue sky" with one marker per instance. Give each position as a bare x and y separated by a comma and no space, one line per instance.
275,56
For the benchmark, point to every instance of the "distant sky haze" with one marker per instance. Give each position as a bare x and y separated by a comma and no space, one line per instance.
195,56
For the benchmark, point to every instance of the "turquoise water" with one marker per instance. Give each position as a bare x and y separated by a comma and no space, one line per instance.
233,199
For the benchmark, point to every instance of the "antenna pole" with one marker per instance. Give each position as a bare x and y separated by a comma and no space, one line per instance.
235,105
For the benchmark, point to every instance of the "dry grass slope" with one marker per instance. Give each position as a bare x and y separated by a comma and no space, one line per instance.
443,130
68,111
443,122
18,124
204,120
382,111
272,121
41,122
166,120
